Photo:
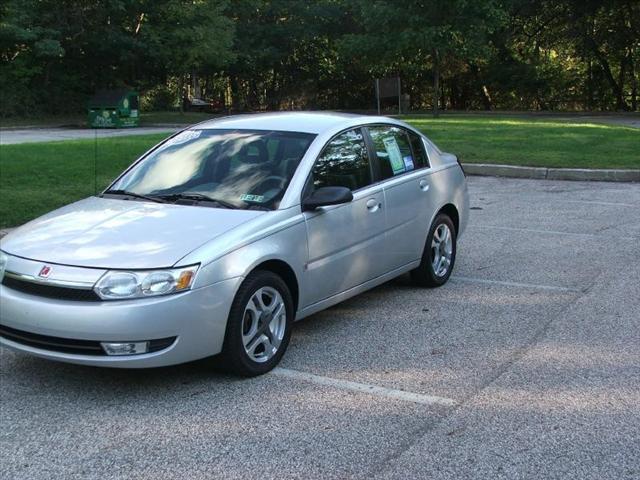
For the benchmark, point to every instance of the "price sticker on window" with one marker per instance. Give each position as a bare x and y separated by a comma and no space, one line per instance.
395,156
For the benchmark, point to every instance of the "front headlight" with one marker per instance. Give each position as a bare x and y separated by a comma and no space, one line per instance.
121,285
4,258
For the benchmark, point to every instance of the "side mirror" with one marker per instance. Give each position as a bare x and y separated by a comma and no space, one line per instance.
327,196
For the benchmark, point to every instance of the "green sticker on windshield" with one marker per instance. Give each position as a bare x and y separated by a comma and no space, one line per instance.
252,198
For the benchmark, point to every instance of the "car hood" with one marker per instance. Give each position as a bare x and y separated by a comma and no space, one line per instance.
128,234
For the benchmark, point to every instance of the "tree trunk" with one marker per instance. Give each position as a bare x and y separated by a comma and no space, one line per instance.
634,84
273,93
590,85
606,68
621,77
234,87
487,101
486,97
454,94
181,92
436,83
195,85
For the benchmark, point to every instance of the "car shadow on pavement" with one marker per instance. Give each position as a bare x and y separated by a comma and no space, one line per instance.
41,374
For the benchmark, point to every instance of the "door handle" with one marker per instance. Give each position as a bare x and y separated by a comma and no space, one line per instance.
424,185
373,205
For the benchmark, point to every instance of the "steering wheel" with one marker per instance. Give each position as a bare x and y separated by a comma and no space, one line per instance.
270,183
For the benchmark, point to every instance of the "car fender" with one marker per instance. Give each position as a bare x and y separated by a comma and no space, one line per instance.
226,258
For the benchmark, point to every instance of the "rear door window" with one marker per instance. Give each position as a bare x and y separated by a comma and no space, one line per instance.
393,151
421,160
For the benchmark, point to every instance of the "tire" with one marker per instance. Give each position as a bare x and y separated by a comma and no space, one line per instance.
251,325
425,274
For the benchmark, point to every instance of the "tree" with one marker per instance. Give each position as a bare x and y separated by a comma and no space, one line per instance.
185,37
273,54
57,53
409,34
609,33
281,48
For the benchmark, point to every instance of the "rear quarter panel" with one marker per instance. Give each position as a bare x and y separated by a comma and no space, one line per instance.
450,187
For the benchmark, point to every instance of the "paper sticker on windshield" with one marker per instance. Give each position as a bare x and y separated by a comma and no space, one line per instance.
184,137
395,157
408,162
252,198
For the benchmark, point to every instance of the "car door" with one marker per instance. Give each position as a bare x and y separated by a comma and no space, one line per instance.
344,240
403,167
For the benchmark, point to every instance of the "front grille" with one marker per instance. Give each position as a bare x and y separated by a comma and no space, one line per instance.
65,345
70,345
50,291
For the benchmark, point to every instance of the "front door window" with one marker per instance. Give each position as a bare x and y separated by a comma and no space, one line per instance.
344,162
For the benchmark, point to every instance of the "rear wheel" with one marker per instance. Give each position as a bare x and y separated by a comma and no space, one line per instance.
439,254
259,325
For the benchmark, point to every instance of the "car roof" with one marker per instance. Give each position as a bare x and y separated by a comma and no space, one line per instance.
305,122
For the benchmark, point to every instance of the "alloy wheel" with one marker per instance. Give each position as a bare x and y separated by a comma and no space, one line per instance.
263,324
441,250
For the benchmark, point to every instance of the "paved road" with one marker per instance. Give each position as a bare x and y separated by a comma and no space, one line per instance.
623,120
26,135
525,365
30,135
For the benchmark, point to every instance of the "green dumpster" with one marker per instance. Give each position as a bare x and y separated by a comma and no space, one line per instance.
114,109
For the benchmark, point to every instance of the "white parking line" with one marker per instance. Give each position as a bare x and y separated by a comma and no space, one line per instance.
532,230
551,232
514,284
364,388
592,202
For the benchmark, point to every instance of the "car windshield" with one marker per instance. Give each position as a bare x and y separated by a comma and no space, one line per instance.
223,168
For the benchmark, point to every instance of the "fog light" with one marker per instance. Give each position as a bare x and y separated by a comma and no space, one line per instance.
125,348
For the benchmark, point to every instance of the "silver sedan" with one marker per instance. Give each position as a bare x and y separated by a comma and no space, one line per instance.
216,240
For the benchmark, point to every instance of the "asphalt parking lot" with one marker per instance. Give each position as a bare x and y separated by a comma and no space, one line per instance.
525,365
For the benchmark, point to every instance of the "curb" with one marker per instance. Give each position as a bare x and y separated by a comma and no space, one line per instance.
542,173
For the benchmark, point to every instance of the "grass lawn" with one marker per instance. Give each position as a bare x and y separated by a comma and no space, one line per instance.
533,141
38,177
35,178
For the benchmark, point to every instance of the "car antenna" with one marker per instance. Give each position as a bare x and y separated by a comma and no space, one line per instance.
95,161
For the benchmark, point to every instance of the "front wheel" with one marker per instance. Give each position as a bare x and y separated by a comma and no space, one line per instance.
439,254
259,325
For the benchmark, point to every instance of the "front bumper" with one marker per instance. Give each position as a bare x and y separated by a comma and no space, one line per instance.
196,318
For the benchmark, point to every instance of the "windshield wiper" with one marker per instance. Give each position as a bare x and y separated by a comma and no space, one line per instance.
198,197
134,195
258,207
